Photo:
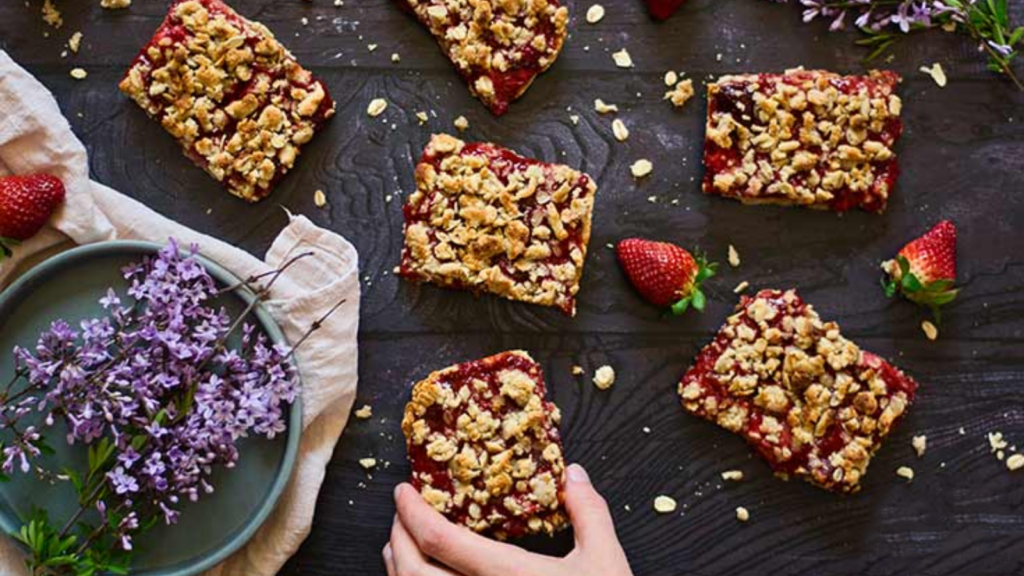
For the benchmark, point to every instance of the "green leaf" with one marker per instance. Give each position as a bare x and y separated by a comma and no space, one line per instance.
699,301
909,283
680,307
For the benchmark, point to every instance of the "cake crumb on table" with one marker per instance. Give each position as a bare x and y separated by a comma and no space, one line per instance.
920,444
681,94
365,413
742,514
604,378
905,472
595,13
734,475
368,463
734,257
664,504
641,168
377,107
603,108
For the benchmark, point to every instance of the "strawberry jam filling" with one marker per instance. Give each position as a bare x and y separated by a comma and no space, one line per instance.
811,403
485,448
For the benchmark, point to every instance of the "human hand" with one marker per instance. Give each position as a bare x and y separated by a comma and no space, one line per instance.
425,543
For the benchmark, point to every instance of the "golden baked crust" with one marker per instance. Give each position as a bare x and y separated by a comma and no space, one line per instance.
484,446
498,46
235,99
486,219
806,138
810,401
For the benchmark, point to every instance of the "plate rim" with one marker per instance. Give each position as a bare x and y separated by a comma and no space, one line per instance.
22,287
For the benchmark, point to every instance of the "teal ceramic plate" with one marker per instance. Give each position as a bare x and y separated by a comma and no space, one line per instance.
68,286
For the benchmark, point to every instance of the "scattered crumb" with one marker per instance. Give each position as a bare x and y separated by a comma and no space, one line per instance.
905,472
920,444
741,287
319,198
652,199
377,107
422,117
742,514
681,94
365,413
371,47
735,475
603,108
671,78
646,429
395,57
461,123
734,256
664,505
51,15
997,443
937,74
619,130
115,4
641,168
595,13
930,330
604,377
75,42
368,463
1015,462
622,59
575,119
79,73
339,3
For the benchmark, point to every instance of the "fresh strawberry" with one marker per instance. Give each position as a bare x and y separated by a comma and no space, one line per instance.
26,203
665,274
662,9
924,271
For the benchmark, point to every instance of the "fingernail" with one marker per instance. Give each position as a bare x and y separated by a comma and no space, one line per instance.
398,491
387,552
578,474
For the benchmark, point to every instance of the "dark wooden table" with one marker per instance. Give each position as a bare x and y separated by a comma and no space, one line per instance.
963,158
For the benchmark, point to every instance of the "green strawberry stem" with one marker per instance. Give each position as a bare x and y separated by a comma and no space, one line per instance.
696,299
933,295
7,247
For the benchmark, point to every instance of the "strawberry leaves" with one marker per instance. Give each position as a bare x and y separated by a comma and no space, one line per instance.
696,300
933,294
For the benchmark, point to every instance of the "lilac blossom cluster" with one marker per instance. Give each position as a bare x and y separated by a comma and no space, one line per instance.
877,15
156,381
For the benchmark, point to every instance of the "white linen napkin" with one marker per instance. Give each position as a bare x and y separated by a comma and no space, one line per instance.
35,137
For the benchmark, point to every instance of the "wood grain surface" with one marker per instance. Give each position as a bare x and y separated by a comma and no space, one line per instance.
962,158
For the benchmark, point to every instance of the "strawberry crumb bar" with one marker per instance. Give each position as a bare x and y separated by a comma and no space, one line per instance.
498,46
485,219
485,448
804,138
236,100
811,402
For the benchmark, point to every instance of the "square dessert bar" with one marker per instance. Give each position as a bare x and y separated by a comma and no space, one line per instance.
498,46
811,402
235,99
803,138
484,446
485,219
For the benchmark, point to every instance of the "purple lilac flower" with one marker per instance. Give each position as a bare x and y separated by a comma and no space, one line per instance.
156,377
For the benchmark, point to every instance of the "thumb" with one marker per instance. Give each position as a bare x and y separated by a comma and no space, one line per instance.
588,511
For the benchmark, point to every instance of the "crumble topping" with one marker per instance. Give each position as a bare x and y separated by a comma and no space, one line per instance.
808,138
937,74
368,463
742,514
671,78
930,330
498,46
595,13
485,219
1015,462
485,448
734,256
52,15
603,108
461,123
682,92
236,100
79,73
75,42
365,413
810,401
319,199
115,4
